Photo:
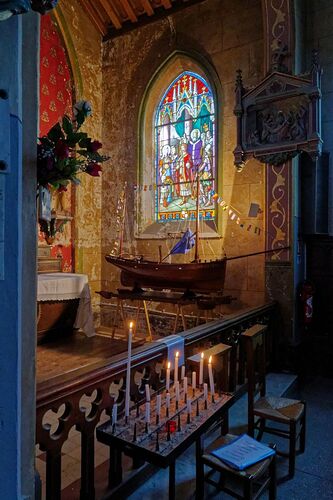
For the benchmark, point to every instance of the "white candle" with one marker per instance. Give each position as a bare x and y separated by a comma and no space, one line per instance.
176,367
168,400
158,404
114,413
148,412
182,373
147,392
201,368
205,392
168,377
185,385
194,380
128,371
189,404
211,378
177,390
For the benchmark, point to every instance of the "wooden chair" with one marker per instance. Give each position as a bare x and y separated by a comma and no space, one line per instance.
289,412
248,484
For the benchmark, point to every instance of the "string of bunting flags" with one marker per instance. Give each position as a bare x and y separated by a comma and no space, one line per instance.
232,213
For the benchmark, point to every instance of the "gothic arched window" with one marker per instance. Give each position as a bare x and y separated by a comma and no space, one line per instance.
185,150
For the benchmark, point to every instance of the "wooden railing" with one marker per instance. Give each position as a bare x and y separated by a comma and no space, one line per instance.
102,385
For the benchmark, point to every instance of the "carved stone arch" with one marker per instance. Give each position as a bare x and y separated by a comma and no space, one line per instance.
64,29
176,63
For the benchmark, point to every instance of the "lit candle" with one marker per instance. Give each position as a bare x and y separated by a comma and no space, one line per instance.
147,412
128,371
194,381
177,390
201,369
147,392
158,404
168,377
176,367
114,414
182,373
211,378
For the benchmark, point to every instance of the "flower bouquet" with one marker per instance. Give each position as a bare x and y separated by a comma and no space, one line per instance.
65,151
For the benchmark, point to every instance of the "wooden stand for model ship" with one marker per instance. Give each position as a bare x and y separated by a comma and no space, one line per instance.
202,302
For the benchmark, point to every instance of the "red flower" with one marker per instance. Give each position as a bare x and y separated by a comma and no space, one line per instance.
94,146
61,189
93,169
61,149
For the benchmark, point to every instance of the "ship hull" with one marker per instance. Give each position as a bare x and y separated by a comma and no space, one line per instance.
196,276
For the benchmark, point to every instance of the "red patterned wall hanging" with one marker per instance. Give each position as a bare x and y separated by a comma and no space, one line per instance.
56,99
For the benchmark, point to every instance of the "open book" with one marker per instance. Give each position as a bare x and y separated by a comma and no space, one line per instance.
243,452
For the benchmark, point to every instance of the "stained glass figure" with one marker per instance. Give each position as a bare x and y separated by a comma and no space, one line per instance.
185,139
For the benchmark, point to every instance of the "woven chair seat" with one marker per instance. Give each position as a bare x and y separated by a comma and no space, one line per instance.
279,409
255,471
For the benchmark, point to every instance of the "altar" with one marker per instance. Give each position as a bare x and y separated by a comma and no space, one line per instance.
64,304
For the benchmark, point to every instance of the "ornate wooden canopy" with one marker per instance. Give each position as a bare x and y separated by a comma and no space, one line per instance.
114,17
280,117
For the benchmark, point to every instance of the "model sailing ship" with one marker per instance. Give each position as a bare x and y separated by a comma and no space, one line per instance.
195,276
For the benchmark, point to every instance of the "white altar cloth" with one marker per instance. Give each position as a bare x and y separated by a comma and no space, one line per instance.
67,286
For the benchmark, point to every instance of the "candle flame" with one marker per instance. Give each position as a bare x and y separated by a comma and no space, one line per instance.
131,324
177,354
202,355
210,359
169,364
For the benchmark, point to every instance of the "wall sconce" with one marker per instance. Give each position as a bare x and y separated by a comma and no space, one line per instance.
10,7
43,6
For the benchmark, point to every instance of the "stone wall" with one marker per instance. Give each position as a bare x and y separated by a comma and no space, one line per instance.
320,35
84,45
227,35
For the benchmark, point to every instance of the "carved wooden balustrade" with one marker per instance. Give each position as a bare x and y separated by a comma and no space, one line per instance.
105,384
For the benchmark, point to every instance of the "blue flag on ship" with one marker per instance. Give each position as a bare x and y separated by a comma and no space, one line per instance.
185,244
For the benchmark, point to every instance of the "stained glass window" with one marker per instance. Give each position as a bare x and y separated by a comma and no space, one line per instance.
185,138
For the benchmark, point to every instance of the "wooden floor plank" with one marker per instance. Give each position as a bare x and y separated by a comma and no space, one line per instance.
70,354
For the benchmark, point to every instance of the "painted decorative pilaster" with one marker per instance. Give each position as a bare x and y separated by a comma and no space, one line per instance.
279,50
279,33
278,210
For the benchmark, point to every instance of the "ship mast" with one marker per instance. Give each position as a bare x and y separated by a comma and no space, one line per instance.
196,255
122,232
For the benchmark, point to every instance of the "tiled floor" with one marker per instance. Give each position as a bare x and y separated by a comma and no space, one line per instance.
314,469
